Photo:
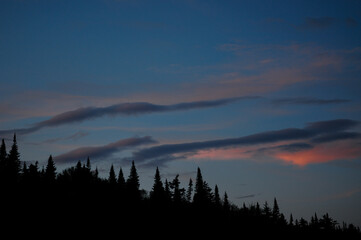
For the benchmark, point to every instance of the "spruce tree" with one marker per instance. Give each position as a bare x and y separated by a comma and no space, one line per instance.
266,209
50,171
88,165
189,190
176,190
2,153
291,220
199,195
13,162
226,205
157,193
217,199
121,180
3,161
133,183
112,178
167,192
275,210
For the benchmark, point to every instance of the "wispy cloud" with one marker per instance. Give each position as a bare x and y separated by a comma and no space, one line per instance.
308,101
314,23
163,153
319,23
122,109
248,196
73,137
100,152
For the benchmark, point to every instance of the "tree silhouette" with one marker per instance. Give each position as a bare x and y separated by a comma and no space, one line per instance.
266,209
200,195
178,193
133,183
157,193
189,190
50,171
3,161
167,193
217,199
88,165
165,208
13,162
121,180
275,210
112,178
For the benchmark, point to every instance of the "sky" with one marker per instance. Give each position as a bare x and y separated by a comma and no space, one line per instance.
263,96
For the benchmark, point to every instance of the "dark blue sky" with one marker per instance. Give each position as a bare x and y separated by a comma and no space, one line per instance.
264,96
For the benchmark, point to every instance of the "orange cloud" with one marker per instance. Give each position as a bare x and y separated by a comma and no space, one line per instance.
222,154
322,153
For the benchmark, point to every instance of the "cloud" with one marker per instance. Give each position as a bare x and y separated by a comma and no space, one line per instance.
321,153
319,23
314,130
248,196
73,137
336,137
331,126
123,109
104,151
312,23
308,101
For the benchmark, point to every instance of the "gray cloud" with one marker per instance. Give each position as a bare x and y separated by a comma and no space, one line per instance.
336,137
308,101
123,109
248,196
293,147
312,23
164,153
104,151
319,23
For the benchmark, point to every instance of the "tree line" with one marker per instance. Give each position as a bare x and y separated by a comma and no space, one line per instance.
80,192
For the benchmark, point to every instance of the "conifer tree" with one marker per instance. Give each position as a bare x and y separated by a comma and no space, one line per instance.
189,190
96,173
88,165
258,209
217,199
50,171
266,209
3,161
176,190
112,178
2,153
157,193
291,220
226,205
121,180
275,210
133,183
167,192
199,194
13,162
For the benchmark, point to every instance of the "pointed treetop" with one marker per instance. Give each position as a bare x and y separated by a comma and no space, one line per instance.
112,179
50,171
88,165
121,180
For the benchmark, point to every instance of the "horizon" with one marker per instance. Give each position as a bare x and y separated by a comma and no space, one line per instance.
263,96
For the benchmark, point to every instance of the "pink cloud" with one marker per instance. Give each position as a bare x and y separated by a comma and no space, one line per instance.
322,153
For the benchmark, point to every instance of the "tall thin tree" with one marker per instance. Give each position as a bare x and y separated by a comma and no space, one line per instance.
50,171
13,162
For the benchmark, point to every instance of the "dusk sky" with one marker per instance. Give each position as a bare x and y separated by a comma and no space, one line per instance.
263,96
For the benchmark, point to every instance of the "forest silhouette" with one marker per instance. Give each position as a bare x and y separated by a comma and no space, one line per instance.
77,196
